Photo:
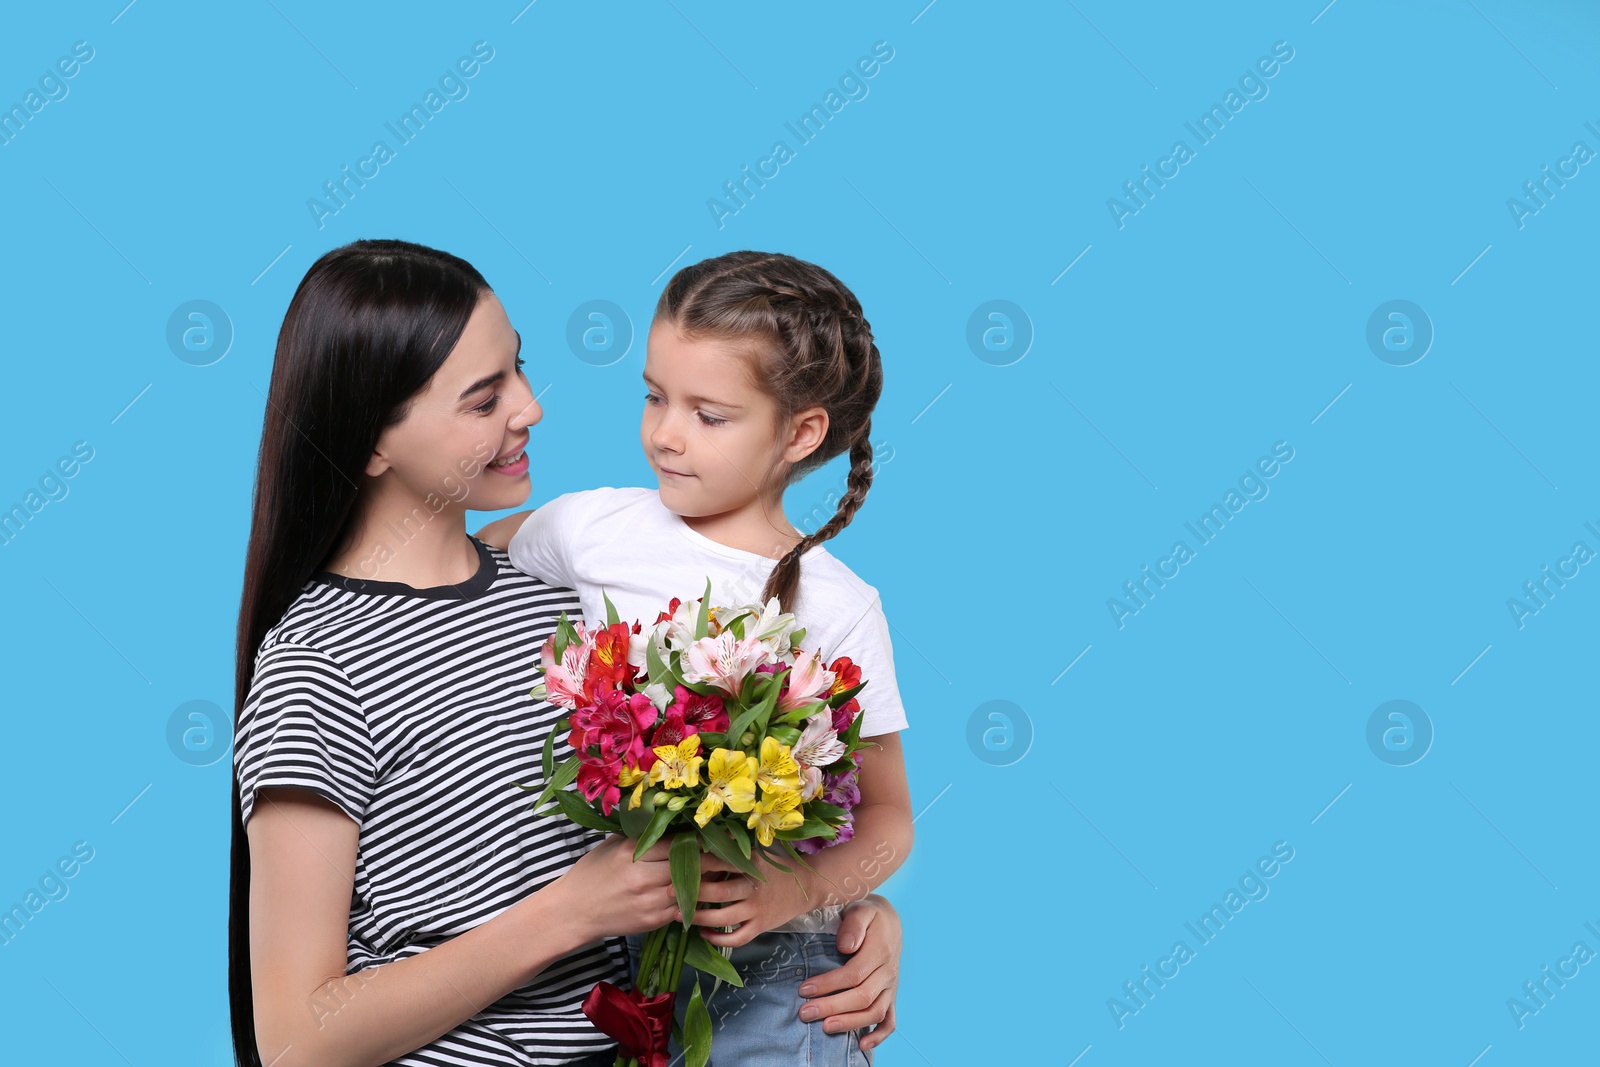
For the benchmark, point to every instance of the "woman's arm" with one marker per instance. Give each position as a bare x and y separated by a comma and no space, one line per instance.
498,533
308,1011
838,874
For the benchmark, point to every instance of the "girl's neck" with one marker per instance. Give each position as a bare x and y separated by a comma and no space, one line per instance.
398,539
756,527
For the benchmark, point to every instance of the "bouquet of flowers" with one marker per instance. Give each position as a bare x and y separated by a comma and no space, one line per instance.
714,726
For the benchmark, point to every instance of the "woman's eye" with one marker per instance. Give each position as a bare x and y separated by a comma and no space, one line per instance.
520,364
650,398
488,405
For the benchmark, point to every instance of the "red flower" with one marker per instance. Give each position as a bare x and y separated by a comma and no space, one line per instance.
846,675
608,663
640,1024
617,723
706,713
598,779
672,609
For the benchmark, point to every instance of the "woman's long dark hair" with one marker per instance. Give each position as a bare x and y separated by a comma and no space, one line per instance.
368,326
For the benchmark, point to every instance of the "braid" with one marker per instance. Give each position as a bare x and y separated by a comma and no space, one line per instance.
784,582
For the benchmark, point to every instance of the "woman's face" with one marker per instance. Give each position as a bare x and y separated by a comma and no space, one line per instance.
463,436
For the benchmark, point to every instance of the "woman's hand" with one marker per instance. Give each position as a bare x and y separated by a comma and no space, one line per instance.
862,992
608,893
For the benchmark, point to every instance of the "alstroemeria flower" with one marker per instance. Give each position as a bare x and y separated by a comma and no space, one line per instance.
810,782
616,723
846,675
808,682
707,714
678,766
564,681
599,781
818,745
778,769
777,810
608,663
724,661
845,714
730,781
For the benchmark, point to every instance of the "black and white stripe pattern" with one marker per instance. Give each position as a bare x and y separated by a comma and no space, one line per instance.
410,710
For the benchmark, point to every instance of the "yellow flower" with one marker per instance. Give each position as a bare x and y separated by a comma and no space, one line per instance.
730,780
776,811
635,777
778,768
678,765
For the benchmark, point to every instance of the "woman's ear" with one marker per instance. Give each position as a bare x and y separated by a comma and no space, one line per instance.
807,429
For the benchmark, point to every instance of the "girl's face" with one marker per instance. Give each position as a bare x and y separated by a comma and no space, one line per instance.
463,436
707,431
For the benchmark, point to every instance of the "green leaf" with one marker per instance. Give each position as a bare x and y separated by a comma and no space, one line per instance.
741,837
684,861
829,813
756,712
574,808
564,776
611,610
843,696
548,758
796,637
703,956
635,821
812,827
658,671
696,1030
702,623
719,843
653,832
785,735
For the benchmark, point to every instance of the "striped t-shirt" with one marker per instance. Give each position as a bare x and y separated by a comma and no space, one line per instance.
410,710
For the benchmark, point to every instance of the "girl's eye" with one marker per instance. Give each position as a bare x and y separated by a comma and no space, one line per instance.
711,420
488,405
650,398
520,364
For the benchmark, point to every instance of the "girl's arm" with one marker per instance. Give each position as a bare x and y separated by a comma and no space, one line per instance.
839,874
308,1011
498,533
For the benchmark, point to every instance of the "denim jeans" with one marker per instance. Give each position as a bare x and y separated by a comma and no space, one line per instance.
759,1025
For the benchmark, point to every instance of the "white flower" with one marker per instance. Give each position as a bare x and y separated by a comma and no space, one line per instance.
819,743
659,695
810,782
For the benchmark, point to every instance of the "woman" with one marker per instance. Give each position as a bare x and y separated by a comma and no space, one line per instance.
392,899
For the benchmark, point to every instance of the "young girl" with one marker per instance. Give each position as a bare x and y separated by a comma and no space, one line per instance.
392,899
760,368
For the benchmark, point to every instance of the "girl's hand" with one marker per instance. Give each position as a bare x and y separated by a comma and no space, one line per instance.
863,990
752,907
609,894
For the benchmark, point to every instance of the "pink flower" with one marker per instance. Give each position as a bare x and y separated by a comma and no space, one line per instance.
724,661
599,780
616,722
818,745
706,713
564,681
809,682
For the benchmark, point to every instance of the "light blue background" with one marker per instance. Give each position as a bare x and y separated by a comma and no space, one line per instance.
1228,314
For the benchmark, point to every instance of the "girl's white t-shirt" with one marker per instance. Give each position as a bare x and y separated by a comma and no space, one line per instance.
626,544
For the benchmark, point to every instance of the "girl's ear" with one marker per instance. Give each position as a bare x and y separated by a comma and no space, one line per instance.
807,429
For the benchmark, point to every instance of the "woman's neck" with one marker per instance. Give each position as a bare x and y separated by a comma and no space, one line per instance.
401,540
